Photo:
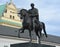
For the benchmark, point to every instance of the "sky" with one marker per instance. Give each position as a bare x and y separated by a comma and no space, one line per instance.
49,12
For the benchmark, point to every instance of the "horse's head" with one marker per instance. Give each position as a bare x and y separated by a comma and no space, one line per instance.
23,12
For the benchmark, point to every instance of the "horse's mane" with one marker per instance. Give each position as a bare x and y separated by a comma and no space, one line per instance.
23,10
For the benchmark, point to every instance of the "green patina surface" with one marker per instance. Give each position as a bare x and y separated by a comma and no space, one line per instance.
2,9
11,23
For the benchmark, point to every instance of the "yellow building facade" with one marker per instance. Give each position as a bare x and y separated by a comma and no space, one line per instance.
9,16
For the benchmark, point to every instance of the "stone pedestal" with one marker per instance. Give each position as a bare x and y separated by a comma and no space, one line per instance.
30,45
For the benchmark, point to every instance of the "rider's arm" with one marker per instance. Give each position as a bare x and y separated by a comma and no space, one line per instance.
36,14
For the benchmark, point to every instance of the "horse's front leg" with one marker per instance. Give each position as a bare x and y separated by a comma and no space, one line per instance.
19,32
30,35
22,30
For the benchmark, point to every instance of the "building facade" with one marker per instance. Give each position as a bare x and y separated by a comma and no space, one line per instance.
9,16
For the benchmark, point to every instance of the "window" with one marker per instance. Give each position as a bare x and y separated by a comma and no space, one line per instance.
10,16
13,17
6,11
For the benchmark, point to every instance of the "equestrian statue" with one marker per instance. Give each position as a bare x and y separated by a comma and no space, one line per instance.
29,17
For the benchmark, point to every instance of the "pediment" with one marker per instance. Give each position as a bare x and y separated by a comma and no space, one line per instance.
12,6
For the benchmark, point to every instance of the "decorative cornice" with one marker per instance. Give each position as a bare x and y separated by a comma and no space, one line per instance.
6,18
12,23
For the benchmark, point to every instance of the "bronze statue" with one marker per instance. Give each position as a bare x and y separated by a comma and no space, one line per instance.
33,13
28,17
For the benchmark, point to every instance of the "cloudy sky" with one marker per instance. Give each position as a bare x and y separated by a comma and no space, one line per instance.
49,12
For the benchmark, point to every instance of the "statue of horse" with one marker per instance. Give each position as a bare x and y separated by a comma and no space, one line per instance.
26,24
39,26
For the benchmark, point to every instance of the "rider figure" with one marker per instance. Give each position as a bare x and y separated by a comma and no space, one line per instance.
33,13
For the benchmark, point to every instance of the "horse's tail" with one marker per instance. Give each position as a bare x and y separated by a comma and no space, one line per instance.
44,29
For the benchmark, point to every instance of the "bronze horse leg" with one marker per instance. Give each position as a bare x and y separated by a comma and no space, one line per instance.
44,29
22,31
